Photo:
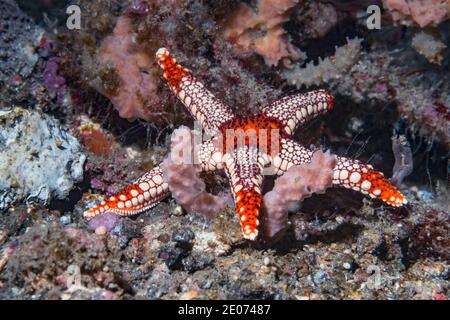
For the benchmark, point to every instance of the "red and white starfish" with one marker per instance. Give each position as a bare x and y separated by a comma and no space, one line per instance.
244,162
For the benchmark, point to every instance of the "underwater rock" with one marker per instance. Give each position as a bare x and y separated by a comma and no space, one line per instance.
61,258
38,160
18,37
20,74
314,25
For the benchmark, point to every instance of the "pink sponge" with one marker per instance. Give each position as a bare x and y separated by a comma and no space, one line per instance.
296,184
137,95
262,31
181,173
423,12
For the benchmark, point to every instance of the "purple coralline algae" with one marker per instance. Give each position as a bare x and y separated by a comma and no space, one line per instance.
108,221
53,81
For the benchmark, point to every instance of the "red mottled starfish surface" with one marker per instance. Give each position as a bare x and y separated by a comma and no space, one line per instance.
244,162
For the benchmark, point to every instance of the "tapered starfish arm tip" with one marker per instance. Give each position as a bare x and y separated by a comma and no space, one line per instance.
161,54
244,170
348,173
201,103
140,196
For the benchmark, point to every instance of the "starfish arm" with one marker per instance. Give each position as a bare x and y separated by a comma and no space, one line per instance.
352,174
200,102
245,175
210,156
150,188
295,110
140,196
348,173
291,153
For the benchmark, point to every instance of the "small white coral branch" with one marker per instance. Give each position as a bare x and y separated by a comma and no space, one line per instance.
428,46
329,68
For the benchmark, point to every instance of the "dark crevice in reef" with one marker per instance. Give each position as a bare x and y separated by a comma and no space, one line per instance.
68,204
45,12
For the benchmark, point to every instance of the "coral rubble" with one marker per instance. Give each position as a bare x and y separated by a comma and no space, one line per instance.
38,160
428,46
327,69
